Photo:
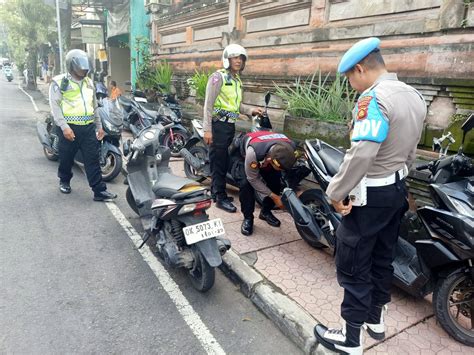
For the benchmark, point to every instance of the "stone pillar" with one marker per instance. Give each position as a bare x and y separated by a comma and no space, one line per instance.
189,35
318,13
451,14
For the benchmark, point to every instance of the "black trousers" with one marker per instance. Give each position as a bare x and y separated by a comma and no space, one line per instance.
364,250
222,136
272,179
85,141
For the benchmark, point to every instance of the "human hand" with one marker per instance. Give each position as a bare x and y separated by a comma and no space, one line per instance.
257,111
69,134
208,138
341,208
277,200
100,134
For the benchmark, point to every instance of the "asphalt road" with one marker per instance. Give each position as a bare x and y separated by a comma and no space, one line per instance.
71,280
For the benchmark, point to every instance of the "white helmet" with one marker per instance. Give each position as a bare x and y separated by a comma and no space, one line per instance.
232,51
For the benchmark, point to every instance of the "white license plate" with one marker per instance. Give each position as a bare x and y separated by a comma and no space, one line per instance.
202,231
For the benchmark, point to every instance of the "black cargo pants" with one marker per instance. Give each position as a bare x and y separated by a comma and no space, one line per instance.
364,250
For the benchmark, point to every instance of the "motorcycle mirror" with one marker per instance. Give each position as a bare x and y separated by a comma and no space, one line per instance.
268,97
466,127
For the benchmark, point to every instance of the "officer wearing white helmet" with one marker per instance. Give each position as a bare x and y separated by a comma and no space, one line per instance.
221,110
72,101
387,124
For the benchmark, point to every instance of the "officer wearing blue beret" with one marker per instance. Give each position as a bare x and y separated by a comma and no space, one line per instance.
369,191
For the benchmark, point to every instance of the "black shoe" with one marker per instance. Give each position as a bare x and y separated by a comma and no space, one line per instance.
247,226
270,218
226,205
64,187
227,198
104,196
336,340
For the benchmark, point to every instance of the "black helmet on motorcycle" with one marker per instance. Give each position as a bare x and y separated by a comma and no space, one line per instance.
282,155
78,63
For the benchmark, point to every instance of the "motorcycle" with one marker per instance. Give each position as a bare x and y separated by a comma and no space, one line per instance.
139,114
173,210
8,73
110,155
434,252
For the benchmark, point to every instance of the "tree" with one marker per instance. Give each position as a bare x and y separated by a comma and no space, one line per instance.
27,22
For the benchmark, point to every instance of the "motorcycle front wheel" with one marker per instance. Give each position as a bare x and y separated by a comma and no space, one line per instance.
175,143
50,155
131,201
311,199
112,166
202,275
453,303
191,173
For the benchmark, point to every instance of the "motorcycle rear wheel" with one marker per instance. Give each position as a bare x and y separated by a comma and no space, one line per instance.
179,140
311,199
454,298
202,275
191,173
112,167
131,200
50,155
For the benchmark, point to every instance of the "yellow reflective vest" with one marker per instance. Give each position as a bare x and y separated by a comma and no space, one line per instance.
230,96
77,104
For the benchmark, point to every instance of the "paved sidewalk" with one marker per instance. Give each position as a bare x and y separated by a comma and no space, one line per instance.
296,286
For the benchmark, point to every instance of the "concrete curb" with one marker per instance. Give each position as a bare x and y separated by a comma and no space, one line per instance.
288,315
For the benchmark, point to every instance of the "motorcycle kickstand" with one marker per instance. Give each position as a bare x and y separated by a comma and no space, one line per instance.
145,238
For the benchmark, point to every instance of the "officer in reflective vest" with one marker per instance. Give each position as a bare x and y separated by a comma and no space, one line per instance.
387,123
222,108
72,102
266,155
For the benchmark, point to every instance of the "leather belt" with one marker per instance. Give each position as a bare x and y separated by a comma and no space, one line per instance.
389,180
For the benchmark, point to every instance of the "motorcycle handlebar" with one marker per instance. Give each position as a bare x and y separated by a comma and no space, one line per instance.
422,167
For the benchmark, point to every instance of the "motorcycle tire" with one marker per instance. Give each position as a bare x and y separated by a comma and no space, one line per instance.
446,302
311,199
50,155
131,201
112,167
200,153
202,275
180,139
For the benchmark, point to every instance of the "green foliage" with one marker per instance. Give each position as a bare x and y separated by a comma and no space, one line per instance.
198,82
153,76
317,98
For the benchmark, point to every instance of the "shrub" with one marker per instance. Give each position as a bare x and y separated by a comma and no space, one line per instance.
321,99
153,76
198,82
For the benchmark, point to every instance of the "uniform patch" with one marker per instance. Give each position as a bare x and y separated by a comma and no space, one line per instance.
363,107
254,165
215,79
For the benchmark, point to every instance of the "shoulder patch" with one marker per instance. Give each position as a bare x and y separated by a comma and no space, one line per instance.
254,165
369,123
363,107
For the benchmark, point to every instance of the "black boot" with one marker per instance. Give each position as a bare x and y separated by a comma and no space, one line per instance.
375,324
269,218
64,187
226,205
344,341
247,226
104,196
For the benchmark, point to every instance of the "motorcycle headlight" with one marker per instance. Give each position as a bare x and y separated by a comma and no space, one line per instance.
462,207
110,127
166,111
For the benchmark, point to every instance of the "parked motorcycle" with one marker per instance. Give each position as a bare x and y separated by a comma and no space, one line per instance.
173,210
8,73
110,155
434,252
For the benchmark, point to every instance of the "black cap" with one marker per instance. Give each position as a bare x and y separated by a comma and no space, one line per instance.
282,155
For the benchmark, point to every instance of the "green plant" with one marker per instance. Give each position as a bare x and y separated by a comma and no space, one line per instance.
318,98
153,76
198,82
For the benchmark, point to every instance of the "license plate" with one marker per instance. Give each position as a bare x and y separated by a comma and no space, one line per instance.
202,231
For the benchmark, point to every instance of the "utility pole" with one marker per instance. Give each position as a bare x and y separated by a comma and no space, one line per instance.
60,38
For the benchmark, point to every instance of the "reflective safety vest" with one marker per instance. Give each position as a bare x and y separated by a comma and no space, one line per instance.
77,104
230,97
262,141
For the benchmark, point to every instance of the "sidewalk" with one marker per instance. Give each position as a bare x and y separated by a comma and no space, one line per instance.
295,285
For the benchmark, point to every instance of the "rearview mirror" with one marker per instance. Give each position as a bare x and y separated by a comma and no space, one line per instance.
268,97
468,124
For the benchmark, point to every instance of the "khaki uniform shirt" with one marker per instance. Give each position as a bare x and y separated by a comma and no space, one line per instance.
405,110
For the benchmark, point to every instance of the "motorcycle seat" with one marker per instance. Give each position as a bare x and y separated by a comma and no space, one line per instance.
331,157
149,110
169,186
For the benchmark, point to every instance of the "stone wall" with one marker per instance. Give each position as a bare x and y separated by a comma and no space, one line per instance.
429,43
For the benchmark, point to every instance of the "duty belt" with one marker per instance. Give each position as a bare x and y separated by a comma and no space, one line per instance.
225,116
389,180
79,120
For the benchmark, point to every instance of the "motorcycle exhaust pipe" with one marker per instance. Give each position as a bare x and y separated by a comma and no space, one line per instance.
223,245
191,159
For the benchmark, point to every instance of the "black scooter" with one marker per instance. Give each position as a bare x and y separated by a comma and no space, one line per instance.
110,154
173,210
435,250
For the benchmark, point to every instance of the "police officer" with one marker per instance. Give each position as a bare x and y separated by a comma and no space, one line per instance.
72,101
221,109
266,154
387,124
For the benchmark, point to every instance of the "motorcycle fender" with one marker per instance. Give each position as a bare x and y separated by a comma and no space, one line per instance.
107,146
192,142
210,251
43,135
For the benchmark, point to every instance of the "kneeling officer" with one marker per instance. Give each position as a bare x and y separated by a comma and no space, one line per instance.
266,155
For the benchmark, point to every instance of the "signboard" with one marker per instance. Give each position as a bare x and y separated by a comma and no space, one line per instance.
92,34
102,55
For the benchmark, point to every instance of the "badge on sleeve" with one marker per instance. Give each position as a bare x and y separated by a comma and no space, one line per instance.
254,165
370,124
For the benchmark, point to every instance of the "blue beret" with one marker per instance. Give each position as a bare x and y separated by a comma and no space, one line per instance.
357,52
